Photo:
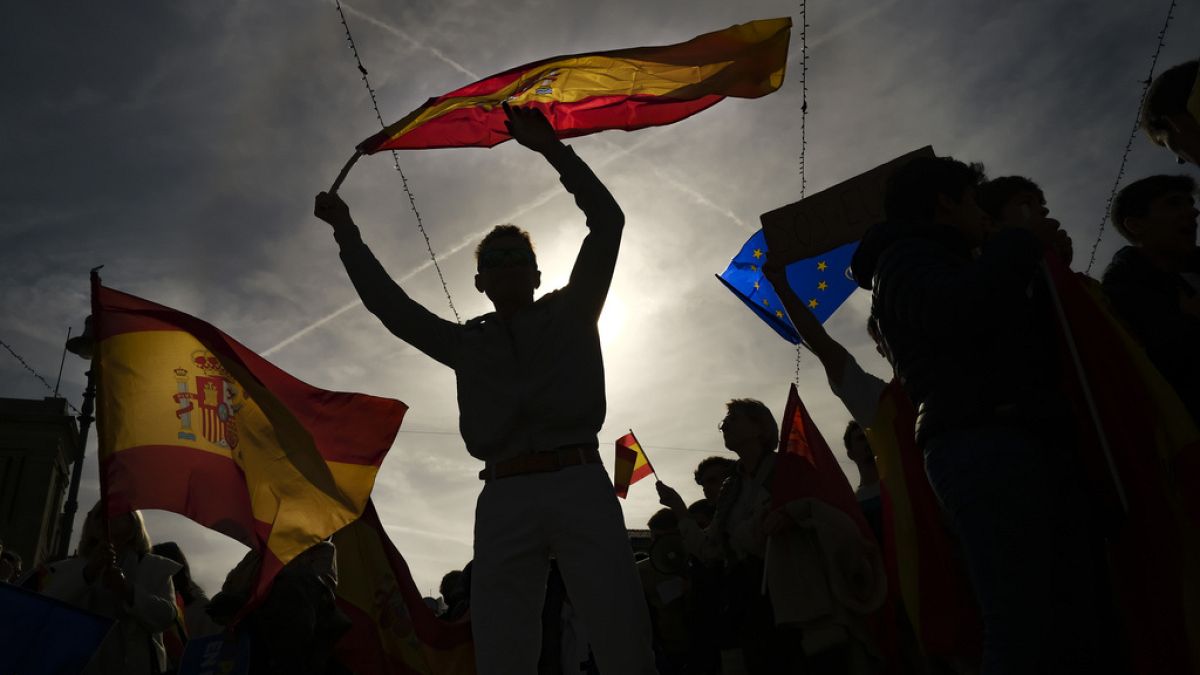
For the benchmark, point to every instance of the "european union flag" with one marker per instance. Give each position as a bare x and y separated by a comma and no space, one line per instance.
822,282
42,636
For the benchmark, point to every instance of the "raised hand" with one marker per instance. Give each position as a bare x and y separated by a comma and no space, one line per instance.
330,208
530,128
668,497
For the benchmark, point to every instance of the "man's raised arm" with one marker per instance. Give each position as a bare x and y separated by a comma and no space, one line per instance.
402,315
593,270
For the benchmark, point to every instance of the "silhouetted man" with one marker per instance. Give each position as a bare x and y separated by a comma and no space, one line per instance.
1154,283
1165,116
531,403
951,298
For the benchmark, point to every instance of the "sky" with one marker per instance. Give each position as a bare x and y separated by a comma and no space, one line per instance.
180,145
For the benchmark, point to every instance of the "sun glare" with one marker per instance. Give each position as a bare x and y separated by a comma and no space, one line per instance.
612,319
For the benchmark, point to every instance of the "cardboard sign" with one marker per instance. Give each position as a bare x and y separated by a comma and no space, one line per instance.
832,217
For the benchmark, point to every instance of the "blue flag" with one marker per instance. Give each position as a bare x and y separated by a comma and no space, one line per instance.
822,282
40,635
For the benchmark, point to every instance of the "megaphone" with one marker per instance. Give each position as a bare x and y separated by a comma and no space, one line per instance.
668,555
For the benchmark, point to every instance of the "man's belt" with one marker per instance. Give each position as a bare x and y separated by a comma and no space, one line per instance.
542,462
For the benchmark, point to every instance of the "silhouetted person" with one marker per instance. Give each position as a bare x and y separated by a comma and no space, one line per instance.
950,294
867,492
454,594
1154,283
1165,116
192,620
711,473
702,510
531,402
664,581
294,629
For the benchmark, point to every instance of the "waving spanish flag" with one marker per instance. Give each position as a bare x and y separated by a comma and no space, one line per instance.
394,632
1140,450
585,93
632,464
191,421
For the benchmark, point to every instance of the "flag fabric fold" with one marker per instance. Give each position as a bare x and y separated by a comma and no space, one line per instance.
585,93
823,283
631,464
193,422
394,632
923,563
807,468
1153,447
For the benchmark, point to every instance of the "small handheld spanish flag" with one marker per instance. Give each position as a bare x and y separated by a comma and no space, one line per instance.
632,464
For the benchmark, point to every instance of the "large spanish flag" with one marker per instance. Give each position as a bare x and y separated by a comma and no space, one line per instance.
394,631
923,563
585,93
631,464
1152,446
191,421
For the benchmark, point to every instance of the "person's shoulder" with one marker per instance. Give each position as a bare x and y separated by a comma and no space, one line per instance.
157,566
1128,265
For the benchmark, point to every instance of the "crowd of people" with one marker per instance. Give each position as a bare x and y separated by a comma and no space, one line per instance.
742,581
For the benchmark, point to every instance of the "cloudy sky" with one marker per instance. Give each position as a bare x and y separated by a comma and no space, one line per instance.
180,145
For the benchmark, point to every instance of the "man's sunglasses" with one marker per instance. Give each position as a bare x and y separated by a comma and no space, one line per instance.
506,257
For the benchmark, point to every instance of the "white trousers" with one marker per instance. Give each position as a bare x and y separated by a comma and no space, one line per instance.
573,515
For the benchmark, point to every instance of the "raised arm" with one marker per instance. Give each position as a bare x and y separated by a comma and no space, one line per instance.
858,390
402,315
830,352
593,270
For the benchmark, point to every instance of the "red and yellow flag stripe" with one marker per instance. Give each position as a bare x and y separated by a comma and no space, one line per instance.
585,93
393,632
632,464
193,422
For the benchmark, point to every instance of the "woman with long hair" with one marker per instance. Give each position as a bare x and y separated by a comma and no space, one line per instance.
114,574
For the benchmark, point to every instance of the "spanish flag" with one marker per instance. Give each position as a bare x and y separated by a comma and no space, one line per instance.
632,464
1152,448
394,632
923,563
585,93
193,422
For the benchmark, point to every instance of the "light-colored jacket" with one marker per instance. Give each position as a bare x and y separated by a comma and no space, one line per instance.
135,647
826,577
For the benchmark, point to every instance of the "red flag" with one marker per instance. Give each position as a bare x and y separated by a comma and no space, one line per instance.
806,467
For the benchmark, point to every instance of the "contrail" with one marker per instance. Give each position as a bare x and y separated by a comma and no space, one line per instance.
439,54
701,199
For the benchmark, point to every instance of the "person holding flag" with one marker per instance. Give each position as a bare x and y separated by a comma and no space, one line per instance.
974,352
531,402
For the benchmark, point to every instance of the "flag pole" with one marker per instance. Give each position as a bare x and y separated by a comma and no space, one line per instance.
1087,391
644,453
337,182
